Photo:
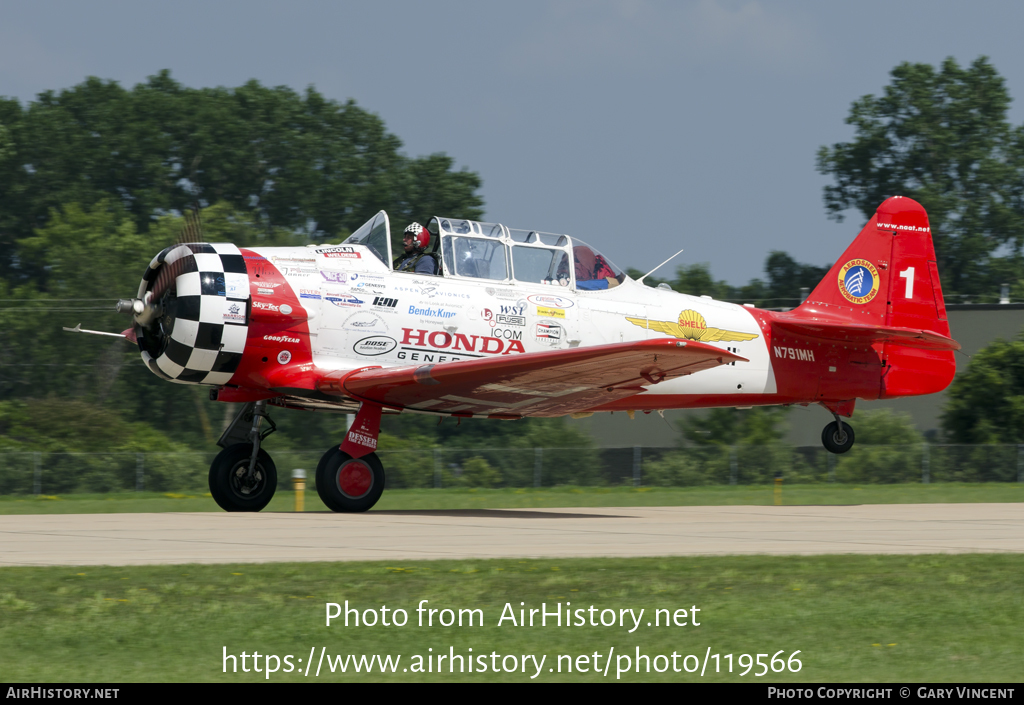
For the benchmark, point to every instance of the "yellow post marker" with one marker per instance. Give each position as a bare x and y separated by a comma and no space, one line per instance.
778,489
299,484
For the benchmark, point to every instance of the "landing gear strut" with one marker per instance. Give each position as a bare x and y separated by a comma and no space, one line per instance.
243,477
347,484
350,477
837,437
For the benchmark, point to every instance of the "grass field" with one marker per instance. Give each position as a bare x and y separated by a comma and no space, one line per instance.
853,618
284,501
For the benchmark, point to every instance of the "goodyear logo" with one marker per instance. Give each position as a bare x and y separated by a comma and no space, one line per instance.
859,281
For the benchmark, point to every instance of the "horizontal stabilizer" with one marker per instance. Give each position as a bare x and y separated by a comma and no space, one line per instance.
535,384
866,333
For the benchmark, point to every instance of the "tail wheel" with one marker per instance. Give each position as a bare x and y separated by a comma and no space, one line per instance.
347,484
234,488
837,440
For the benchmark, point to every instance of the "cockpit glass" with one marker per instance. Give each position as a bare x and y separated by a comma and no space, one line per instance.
593,270
476,257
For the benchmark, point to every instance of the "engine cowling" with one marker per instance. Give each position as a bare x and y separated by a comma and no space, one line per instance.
197,302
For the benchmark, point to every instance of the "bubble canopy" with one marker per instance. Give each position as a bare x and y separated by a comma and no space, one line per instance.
492,251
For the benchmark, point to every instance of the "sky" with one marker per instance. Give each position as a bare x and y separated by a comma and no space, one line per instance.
639,126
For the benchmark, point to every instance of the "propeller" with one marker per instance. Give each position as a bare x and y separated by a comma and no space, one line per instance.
169,265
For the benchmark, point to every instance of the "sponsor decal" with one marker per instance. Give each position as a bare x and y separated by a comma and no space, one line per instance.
367,281
859,281
235,314
548,333
550,312
375,345
344,300
794,354
265,292
365,321
384,302
335,277
501,293
284,357
298,271
266,285
309,294
510,320
692,326
265,306
294,260
549,300
517,310
430,312
341,252
281,338
507,334
458,343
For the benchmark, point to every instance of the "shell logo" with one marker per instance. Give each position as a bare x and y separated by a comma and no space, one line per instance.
691,326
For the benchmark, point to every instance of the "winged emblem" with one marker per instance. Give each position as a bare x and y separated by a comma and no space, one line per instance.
692,326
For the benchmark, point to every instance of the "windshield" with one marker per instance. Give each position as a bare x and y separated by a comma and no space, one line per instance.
375,235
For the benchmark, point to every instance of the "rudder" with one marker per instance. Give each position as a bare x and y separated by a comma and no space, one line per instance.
888,276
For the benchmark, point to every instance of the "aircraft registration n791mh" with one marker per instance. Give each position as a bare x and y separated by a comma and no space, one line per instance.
518,323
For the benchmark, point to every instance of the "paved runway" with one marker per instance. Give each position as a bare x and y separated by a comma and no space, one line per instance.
140,539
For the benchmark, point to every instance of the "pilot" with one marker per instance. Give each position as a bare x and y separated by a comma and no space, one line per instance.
416,259
592,270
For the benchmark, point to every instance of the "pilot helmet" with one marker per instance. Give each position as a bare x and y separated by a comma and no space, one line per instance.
420,236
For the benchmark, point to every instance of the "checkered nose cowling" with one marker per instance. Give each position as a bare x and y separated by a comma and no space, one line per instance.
200,334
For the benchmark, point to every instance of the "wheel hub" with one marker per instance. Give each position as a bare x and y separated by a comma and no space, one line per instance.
355,479
245,484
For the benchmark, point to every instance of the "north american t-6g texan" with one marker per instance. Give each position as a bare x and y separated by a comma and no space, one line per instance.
518,323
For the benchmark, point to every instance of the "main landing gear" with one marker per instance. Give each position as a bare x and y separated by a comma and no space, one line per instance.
243,477
347,484
837,437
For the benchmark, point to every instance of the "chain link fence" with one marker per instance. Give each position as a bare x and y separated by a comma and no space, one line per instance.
62,473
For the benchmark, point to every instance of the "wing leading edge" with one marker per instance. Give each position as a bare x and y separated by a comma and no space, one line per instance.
535,384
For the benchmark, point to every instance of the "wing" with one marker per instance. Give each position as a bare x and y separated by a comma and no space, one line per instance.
669,327
717,335
535,384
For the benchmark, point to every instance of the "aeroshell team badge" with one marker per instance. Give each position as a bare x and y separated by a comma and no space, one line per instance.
859,281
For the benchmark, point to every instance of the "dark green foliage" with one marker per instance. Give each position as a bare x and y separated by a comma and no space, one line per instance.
986,402
299,162
940,136
785,279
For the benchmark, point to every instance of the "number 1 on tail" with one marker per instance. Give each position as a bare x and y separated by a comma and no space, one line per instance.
908,274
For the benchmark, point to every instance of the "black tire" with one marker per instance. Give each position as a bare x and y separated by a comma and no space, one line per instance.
227,479
836,441
349,485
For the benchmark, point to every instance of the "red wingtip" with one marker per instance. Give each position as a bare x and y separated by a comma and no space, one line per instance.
130,335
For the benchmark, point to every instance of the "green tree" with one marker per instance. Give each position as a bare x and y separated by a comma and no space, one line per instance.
763,425
301,162
940,136
986,402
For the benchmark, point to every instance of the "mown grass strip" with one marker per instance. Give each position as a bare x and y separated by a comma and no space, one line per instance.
926,618
284,500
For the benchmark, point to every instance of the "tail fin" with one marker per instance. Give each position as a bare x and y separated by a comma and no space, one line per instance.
888,278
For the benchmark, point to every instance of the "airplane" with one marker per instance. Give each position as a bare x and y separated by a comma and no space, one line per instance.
518,323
